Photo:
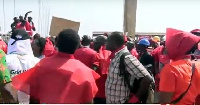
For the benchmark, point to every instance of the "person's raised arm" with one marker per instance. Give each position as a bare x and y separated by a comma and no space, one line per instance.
27,14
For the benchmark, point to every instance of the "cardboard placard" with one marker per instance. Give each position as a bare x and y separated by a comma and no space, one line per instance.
58,24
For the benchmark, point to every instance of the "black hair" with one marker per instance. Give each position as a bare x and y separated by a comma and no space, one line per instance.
36,36
15,18
99,41
196,33
41,43
68,41
192,50
130,45
52,39
118,38
86,40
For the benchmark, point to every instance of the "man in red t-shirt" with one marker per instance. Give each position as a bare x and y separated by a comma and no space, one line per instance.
85,54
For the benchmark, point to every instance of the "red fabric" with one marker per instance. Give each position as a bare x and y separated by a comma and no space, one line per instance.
86,56
102,61
178,43
66,81
27,27
49,48
3,46
133,99
159,56
157,52
134,53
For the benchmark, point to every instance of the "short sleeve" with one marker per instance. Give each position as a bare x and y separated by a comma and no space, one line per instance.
134,67
167,79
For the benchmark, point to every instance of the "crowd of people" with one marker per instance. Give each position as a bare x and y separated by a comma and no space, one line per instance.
109,69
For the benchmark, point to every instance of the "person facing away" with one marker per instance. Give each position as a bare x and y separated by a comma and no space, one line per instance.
60,79
144,57
20,57
116,90
176,77
85,54
101,65
131,47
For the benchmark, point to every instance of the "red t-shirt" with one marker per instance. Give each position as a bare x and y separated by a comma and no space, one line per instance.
102,61
27,27
86,56
175,77
58,79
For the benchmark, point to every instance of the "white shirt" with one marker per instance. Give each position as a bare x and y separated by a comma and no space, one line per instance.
18,64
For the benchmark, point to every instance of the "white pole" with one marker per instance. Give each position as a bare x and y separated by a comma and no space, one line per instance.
14,8
39,4
4,17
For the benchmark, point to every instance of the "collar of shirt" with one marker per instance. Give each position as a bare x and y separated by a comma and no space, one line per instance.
70,56
86,46
116,52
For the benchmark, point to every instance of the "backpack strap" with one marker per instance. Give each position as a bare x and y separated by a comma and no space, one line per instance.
123,72
184,93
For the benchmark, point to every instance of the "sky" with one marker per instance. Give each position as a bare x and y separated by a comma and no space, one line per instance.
105,15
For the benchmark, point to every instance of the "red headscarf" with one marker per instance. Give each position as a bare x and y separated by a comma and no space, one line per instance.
178,43
49,49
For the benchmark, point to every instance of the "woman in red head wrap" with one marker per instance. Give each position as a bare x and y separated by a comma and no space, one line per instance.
179,80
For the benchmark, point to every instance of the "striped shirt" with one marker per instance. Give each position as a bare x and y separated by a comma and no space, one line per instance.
116,91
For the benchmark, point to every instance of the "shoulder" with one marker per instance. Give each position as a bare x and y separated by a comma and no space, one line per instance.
90,50
174,68
11,57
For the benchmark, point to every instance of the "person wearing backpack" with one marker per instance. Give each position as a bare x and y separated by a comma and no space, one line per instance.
118,89
179,80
